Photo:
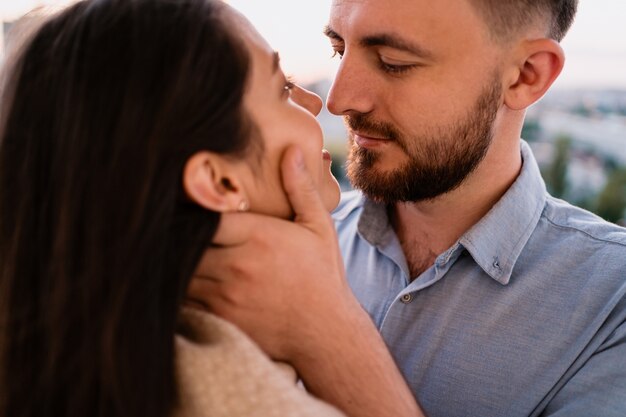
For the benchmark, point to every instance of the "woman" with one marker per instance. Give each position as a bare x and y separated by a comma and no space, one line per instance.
127,127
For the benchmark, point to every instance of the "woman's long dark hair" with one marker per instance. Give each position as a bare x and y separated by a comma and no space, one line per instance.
103,107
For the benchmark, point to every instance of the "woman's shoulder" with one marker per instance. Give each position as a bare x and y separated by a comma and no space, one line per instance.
221,372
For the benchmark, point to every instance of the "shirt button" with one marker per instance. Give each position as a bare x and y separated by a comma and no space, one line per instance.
407,298
496,263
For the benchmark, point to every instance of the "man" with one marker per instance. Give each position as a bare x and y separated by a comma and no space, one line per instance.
494,298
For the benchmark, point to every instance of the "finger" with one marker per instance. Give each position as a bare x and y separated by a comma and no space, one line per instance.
301,191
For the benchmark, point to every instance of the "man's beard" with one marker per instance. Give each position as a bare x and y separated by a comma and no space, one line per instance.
439,161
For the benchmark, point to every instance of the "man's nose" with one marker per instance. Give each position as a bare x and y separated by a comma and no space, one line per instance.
352,88
307,99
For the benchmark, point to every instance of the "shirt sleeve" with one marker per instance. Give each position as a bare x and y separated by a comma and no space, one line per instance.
598,388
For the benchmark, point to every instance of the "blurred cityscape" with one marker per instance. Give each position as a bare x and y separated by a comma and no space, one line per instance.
578,137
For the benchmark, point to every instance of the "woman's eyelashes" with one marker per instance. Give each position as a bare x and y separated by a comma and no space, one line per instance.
337,53
288,86
338,48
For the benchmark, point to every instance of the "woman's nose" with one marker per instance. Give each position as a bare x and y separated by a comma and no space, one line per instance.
307,99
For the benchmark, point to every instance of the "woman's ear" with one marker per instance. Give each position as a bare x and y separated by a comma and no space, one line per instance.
210,182
539,63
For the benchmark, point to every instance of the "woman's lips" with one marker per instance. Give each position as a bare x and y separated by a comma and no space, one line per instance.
326,155
369,142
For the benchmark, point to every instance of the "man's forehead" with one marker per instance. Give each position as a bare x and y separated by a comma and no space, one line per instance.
339,8
421,20
375,15
388,9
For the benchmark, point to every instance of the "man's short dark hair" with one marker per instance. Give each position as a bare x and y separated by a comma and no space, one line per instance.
507,18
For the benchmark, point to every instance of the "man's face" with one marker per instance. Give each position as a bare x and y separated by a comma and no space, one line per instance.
419,88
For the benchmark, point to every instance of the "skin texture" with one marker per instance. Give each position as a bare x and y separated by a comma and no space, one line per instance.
436,162
456,63
282,114
311,322
452,61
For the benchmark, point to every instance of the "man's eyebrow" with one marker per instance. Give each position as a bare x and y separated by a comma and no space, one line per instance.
331,33
392,41
395,42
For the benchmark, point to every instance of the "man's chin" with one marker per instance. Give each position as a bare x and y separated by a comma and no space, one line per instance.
385,160
371,183
371,170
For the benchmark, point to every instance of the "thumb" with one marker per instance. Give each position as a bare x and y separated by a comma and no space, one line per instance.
301,191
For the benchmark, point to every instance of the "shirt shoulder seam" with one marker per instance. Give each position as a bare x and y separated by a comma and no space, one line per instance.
585,232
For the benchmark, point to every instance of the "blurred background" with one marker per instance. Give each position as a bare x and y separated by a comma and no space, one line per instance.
577,131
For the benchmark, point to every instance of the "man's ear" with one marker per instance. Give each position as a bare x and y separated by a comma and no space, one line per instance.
539,63
211,183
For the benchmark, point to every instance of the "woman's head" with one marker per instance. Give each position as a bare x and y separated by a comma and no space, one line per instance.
283,114
122,123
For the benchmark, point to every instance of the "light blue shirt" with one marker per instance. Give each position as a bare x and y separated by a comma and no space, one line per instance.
524,316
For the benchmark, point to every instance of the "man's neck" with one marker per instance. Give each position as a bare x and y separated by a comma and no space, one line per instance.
426,229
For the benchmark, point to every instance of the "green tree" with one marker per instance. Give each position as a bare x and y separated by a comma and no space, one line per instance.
531,130
556,174
612,200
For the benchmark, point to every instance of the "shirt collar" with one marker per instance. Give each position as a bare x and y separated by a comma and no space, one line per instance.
497,240
374,224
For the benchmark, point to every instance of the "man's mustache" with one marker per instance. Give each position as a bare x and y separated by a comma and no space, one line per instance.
365,126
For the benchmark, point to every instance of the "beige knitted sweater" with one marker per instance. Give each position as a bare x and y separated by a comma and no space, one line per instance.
222,373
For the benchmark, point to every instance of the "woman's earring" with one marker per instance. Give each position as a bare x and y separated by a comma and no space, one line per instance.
243,206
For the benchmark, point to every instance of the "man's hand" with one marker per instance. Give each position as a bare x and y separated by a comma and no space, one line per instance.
279,281
283,283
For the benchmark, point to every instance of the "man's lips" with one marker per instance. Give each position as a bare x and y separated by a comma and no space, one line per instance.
366,141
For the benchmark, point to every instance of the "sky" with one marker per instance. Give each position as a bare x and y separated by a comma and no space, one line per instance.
595,47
